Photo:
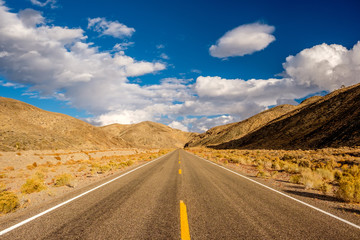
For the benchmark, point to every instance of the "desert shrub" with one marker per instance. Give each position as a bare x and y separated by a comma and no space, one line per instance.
349,185
260,166
311,179
105,168
325,188
287,157
349,189
127,163
326,174
262,174
96,167
304,163
276,165
337,175
274,174
233,160
9,201
33,184
41,173
63,179
292,168
295,178
267,164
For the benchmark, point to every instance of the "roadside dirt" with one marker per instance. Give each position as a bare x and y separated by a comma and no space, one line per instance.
84,167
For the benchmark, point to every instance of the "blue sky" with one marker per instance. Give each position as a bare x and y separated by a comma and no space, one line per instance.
188,64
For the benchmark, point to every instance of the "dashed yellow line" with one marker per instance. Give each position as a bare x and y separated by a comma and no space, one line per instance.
179,162
184,224
179,171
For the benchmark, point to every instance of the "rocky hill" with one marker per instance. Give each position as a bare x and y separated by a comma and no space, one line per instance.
149,135
329,121
228,132
25,127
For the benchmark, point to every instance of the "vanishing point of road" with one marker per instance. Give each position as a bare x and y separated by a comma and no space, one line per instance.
181,196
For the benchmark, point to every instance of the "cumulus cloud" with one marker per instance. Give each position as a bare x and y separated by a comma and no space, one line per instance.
178,125
43,3
202,124
245,39
58,62
55,60
259,91
320,68
122,46
30,17
111,28
325,66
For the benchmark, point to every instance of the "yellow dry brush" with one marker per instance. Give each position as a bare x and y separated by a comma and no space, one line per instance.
9,201
327,170
34,184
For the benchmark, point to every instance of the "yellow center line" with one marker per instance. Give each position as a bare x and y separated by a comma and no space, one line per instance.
179,171
184,224
179,162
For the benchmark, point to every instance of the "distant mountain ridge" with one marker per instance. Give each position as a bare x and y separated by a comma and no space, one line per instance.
319,122
231,131
149,135
25,127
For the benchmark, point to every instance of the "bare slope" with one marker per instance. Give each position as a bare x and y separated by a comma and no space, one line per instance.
25,127
149,135
228,132
330,121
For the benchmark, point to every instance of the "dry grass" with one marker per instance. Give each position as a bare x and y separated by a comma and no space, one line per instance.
330,171
58,170
63,180
34,184
9,201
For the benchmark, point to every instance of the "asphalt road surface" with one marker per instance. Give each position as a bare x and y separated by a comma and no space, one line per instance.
145,204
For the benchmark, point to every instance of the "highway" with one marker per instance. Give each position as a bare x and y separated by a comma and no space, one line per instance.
202,201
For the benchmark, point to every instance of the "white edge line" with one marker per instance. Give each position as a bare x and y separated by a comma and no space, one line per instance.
74,198
285,195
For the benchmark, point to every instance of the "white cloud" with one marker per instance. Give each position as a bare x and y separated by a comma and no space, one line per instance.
258,91
115,29
160,46
30,17
142,68
59,62
43,3
196,71
4,54
178,125
52,59
164,56
325,66
122,46
204,123
124,117
245,39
